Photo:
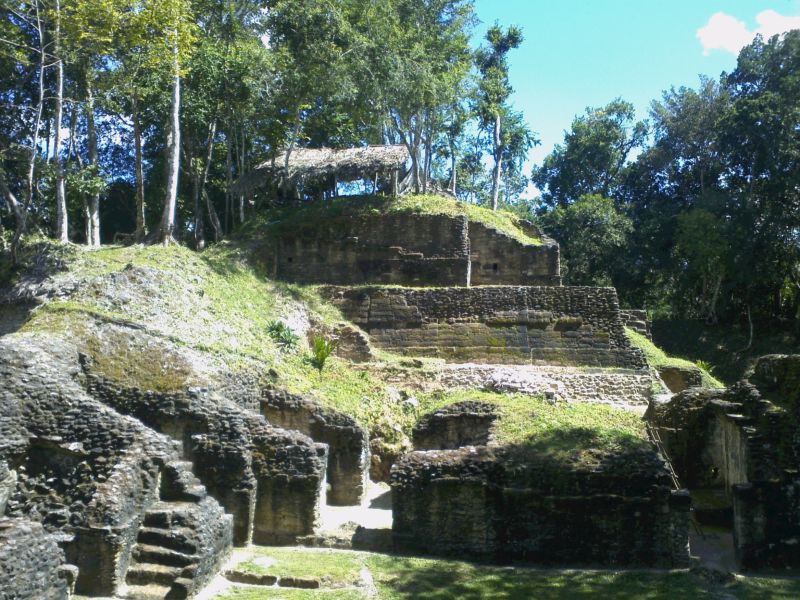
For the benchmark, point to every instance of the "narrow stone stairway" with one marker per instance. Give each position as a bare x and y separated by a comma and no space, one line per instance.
172,545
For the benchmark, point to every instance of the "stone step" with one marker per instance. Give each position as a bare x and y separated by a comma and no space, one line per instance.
162,556
147,592
178,483
166,538
151,573
166,514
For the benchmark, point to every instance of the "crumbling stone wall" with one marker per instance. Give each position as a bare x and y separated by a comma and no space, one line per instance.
539,325
498,259
270,479
454,426
348,443
31,563
85,472
502,504
740,441
678,379
409,249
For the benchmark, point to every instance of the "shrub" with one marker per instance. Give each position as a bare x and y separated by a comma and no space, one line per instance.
283,335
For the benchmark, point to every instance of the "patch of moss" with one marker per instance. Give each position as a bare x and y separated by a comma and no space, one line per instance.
133,363
656,357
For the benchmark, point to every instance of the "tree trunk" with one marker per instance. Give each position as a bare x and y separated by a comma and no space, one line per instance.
453,167
712,308
93,228
242,163
141,224
167,225
229,183
498,161
199,229
212,213
72,152
62,225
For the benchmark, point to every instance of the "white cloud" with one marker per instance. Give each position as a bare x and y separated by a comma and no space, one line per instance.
727,33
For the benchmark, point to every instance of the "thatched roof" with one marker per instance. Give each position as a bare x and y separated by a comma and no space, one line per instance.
347,164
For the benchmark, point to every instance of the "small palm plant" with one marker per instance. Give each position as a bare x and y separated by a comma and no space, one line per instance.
321,349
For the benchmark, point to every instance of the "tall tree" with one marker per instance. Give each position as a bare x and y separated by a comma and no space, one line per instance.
592,157
172,19
494,91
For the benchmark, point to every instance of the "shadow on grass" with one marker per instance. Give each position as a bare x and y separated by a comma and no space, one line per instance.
404,578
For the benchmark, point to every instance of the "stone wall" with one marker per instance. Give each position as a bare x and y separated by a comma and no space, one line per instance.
457,425
31,563
739,441
498,259
539,325
269,478
85,472
408,249
497,504
348,443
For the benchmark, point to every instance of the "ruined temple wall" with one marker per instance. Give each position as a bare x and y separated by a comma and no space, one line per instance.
727,447
470,503
499,259
31,563
409,249
538,325
348,442
269,478
387,249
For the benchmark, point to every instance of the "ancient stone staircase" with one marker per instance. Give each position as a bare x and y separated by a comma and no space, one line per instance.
167,554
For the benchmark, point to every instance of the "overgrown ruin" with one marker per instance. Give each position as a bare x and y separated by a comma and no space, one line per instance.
117,489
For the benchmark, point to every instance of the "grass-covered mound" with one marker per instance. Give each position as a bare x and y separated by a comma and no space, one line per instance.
561,430
292,218
656,357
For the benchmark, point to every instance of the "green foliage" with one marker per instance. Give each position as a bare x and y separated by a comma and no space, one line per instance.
593,155
704,365
722,346
321,349
592,233
283,335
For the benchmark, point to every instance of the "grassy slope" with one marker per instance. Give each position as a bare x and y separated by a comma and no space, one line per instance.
323,212
657,358
402,578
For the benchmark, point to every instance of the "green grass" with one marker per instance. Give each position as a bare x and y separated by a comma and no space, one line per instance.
259,593
562,431
658,358
406,578
322,212
331,567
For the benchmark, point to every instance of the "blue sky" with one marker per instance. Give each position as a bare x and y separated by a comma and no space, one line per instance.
580,53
